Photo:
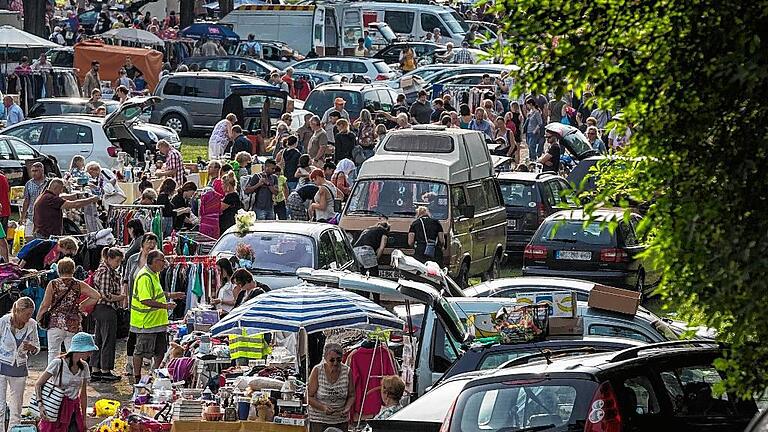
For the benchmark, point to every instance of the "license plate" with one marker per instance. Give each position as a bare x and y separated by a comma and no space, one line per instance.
574,255
512,223
387,274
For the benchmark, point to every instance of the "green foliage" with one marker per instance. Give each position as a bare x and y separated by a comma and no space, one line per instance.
692,77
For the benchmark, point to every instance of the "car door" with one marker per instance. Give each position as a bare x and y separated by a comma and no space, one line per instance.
66,140
461,238
632,247
205,96
26,156
10,165
686,388
476,197
345,258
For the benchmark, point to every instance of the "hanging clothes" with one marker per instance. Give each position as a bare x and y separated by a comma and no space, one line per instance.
368,367
118,217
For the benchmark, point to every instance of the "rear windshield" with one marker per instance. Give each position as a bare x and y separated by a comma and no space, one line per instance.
575,232
382,67
517,194
420,144
320,100
522,405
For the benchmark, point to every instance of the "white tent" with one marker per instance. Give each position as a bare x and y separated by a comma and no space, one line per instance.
134,35
11,37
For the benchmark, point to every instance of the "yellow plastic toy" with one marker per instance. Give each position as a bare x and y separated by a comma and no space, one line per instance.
106,407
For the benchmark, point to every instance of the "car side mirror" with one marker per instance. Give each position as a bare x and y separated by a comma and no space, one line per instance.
468,211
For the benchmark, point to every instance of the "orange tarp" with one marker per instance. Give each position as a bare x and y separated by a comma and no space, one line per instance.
112,58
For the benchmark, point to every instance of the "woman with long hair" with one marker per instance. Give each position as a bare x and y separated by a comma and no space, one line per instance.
18,339
166,192
231,202
225,299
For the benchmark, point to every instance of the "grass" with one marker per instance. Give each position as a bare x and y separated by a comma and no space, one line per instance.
192,148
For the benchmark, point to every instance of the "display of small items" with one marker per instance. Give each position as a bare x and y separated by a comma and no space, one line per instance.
522,323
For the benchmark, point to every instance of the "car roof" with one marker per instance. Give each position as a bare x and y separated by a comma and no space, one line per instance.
351,86
526,176
357,59
554,341
74,100
289,227
526,281
216,57
215,74
67,119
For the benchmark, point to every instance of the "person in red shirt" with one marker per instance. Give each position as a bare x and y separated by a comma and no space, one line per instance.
288,79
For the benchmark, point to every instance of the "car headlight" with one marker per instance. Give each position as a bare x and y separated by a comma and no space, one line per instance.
152,136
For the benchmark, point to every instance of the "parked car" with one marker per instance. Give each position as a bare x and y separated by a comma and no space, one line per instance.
192,101
440,346
61,57
149,134
276,53
464,79
468,69
231,64
423,50
529,198
572,139
666,386
373,97
564,246
373,69
95,138
16,156
281,248
317,77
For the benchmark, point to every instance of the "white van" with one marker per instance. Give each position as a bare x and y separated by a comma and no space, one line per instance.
413,21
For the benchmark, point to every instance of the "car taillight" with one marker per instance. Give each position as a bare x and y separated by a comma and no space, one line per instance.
534,252
382,77
446,426
410,330
541,211
613,255
112,151
604,414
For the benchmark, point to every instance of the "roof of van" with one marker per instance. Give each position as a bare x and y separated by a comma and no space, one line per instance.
397,5
413,166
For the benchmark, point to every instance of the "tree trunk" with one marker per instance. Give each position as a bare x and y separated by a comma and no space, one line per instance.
186,13
225,7
34,17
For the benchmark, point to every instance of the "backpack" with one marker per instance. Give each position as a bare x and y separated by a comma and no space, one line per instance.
246,198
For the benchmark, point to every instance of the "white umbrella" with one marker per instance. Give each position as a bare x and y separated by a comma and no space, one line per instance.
11,37
133,35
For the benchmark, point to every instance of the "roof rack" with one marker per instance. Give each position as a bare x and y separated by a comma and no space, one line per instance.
547,354
544,174
631,353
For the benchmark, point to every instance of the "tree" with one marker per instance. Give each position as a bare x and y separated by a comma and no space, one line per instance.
692,76
225,7
34,17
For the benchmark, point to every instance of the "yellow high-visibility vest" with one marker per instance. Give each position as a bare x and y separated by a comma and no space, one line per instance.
147,287
248,347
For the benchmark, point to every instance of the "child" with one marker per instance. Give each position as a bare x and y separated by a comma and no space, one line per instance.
77,167
139,82
281,212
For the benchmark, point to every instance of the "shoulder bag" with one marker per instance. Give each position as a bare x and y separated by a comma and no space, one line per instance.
52,395
431,245
45,319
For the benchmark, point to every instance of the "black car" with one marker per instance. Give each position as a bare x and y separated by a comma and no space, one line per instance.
529,198
669,386
492,355
231,64
391,53
149,134
16,157
570,244
373,97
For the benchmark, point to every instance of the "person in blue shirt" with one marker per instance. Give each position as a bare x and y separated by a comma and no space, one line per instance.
139,82
368,44
594,140
481,123
13,112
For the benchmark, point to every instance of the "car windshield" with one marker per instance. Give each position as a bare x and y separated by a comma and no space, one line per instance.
517,194
518,405
574,231
399,198
278,252
320,100
434,405
454,22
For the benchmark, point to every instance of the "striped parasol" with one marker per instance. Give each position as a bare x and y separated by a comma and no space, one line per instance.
307,307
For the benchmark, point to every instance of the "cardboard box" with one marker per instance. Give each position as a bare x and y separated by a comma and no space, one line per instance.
566,327
614,299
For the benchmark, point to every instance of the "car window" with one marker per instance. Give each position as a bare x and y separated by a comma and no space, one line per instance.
372,101
326,254
553,193
210,88
691,391
46,109
458,201
496,359
5,150
358,67
28,133
444,349
216,65
399,21
255,66
312,64
491,193
477,197
23,151
637,397
63,133
628,234
574,231
386,100
174,87
430,22
517,194
618,331
343,256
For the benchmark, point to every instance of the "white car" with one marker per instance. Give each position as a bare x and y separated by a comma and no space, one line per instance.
95,138
374,69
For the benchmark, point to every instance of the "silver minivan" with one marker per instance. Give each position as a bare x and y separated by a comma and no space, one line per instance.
193,101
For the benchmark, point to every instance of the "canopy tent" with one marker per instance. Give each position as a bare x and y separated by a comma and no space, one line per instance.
306,307
11,37
112,58
214,6
209,31
133,35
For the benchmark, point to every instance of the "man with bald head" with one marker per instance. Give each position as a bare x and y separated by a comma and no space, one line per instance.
13,112
48,216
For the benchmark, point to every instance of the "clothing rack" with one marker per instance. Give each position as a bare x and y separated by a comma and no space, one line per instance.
459,92
118,224
191,272
191,259
201,243
33,85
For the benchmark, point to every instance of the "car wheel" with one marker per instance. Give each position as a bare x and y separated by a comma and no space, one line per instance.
462,279
640,284
177,123
493,271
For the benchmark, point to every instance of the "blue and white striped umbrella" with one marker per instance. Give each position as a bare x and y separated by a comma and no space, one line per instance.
309,307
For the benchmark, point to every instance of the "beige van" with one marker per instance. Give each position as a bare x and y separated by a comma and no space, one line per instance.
450,171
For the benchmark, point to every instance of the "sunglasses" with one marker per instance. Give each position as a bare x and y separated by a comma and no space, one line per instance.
334,360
